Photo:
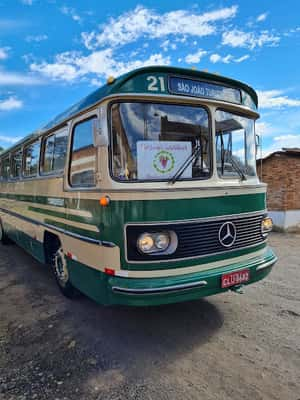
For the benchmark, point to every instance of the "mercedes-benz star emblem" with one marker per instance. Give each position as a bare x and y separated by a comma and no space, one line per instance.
227,234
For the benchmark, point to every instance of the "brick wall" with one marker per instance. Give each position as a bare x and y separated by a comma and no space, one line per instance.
282,174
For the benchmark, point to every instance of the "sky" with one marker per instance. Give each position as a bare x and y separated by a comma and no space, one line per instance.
54,52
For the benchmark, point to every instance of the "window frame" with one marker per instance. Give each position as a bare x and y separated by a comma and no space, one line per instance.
94,115
238,114
164,102
8,177
39,159
54,172
12,154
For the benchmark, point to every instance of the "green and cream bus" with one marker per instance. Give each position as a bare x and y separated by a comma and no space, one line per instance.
145,192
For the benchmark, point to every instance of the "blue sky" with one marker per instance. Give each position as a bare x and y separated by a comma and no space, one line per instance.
53,53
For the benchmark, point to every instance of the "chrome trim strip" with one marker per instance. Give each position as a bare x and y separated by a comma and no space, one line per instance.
207,219
157,290
267,264
223,188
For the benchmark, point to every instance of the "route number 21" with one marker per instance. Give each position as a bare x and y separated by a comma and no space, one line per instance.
156,84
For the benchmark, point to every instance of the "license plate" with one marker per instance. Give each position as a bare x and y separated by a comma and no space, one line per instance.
235,278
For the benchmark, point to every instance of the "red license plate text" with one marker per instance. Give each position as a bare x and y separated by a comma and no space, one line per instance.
235,278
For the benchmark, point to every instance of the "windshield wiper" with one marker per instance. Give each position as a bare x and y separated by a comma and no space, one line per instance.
185,164
237,168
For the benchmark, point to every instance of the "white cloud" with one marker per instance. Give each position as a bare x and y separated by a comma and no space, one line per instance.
241,59
69,66
27,2
142,22
261,17
215,58
238,38
4,53
70,12
195,58
8,139
11,103
11,78
275,99
37,38
288,140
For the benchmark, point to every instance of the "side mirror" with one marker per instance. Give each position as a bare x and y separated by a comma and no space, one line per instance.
100,139
257,143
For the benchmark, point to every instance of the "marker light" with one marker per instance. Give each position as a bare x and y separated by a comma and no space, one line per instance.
109,271
110,80
266,226
104,201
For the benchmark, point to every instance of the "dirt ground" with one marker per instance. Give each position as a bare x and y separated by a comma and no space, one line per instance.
226,346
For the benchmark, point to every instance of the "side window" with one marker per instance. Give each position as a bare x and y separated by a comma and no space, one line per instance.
54,154
16,164
31,159
5,168
83,156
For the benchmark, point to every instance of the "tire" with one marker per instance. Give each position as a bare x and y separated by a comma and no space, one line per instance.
61,273
3,238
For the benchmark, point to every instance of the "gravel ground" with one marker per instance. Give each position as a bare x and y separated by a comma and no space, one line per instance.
226,346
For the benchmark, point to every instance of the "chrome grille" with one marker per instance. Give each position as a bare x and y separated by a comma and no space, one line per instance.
198,238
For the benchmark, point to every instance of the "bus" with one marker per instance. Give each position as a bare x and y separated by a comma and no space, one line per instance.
145,192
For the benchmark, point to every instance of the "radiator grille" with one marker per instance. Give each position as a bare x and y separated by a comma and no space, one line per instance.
197,238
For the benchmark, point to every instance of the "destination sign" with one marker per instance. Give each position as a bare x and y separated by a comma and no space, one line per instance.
189,87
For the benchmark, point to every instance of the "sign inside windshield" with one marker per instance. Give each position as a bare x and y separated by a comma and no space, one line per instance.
160,160
189,87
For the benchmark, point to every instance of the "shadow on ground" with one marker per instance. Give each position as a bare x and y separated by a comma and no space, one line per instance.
60,346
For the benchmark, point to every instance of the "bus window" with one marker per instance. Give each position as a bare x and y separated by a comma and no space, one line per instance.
31,159
55,150
83,156
235,145
151,141
5,168
16,164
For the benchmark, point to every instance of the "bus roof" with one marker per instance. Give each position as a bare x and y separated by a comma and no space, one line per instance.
129,83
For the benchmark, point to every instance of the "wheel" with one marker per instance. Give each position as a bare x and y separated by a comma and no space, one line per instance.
3,238
61,273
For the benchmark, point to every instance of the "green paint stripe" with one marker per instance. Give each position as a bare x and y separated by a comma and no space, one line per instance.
53,213
73,229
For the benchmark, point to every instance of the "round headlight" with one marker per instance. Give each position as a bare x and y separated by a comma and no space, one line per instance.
145,243
162,241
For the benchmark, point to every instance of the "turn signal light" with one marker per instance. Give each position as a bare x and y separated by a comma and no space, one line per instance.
104,201
266,226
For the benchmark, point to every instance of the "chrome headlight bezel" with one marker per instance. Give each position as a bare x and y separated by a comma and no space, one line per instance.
156,239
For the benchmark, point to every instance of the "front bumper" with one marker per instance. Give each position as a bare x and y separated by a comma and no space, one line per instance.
164,290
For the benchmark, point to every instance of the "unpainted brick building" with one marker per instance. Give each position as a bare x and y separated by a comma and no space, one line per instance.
281,171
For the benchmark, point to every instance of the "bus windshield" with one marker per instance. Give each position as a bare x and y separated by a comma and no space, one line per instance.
151,141
235,145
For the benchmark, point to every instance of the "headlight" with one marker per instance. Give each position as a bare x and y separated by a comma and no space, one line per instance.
160,242
145,243
266,226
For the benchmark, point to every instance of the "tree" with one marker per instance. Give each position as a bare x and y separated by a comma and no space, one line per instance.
1,149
